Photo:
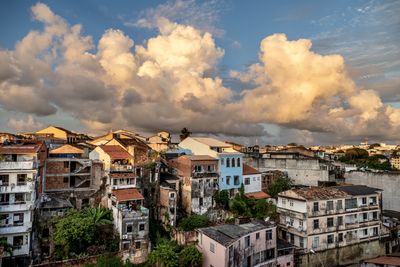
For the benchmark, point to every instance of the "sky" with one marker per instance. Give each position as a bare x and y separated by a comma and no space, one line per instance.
311,72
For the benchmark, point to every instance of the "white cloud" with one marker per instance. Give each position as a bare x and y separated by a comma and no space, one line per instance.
28,123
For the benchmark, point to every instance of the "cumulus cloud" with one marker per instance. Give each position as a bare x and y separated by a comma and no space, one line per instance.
29,123
169,82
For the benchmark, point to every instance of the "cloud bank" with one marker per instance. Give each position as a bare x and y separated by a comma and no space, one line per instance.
169,82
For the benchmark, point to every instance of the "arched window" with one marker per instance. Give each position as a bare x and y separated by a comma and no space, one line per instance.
238,162
228,163
233,162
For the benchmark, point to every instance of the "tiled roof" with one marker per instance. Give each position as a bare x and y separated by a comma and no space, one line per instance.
66,149
316,193
392,261
23,148
122,175
127,194
249,170
116,152
258,195
357,190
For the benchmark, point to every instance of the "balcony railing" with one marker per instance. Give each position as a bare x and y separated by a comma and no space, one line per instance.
16,228
13,207
204,174
16,188
121,168
17,165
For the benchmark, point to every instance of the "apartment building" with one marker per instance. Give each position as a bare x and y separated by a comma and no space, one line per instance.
229,160
21,165
199,180
245,245
321,218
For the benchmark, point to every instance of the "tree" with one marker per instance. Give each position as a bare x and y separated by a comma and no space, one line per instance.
194,221
190,256
164,255
99,215
185,133
222,199
281,184
6,247
292,144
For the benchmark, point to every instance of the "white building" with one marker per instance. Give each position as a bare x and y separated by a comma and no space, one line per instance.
251,179
19,174
320,218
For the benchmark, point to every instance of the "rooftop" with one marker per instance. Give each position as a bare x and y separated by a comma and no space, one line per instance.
229,233
357,190
127,194
199,157
55,203
249,170
212,142
116,152
66,149
315,193
385,260
257,195
21,148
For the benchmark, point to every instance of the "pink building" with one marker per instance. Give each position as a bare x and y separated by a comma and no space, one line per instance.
245,245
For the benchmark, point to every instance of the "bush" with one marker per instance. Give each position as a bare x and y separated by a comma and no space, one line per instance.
222,199
192,222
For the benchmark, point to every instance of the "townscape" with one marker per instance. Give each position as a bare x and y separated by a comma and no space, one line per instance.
69,199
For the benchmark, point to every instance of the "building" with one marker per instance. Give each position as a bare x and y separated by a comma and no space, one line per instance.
131,220
318,219
251,179
199,181
229,160
250,244
60,133
159,142
395,162
21,166
384,261
269,177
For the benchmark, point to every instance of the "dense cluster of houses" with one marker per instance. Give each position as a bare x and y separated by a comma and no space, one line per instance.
46,173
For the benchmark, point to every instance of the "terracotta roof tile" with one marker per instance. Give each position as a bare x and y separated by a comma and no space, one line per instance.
249,170
24,148
116,152
127,194
392,261
258,195
66,149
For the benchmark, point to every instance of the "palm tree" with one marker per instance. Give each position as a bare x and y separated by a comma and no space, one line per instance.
99,215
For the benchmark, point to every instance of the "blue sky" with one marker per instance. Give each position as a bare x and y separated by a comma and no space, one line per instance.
365,33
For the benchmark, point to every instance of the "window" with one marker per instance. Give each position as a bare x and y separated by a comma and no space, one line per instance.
268,235
233,162
316,206
340,204
364,201
330,222
316,224
210,168
269,254
291,222
301,223
201,201
18,218
212,247
329,205
129,228
222,161
141,226
375,231
228,163
291,203
247,181
257,235
45,233
238,162
340,237
138,244
365,231
4,179
330,239
315,243
228,180
374,215
372,200
21,179
365,216
247,241
19,198
350,203
18,241
236,180
301,242
283,201
340,220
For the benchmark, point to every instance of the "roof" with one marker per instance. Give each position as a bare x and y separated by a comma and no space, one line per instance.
226,234
127,194
199,157
116,152
211,142
391,214
257,195
357,190
56,203
315,193
22,148
122,175
394,261
249,170
66,149
132,141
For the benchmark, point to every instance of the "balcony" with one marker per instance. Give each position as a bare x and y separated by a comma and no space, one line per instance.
17,165
121,168
17,188
14,207
16,228
204,174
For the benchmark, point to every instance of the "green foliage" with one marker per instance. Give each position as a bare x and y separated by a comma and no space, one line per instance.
89,231
279,185
109,261
192,222
254,208
355,154
164,255
7,247
157,233
360,158
190,256
185,133
222,199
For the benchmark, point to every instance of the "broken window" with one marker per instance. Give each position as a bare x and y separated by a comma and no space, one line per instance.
201,201
129,228
4,179
316,224
141,226
316,206
330,239
340,237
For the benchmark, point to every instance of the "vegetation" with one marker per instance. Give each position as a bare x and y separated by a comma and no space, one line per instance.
292,144
361,158
190,256
281,184
192,222
185,133
222,199
86,232
7,247
168,254
109,261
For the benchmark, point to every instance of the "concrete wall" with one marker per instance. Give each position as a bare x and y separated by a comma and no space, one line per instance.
388,182
255,183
